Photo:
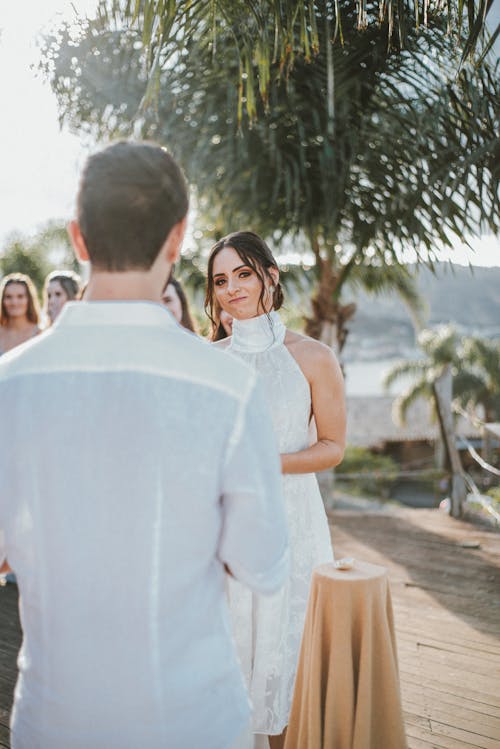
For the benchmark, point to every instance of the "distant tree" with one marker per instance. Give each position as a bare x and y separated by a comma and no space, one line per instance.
38,254
20,258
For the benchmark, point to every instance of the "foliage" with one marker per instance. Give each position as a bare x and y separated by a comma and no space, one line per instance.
270,35
384,158
494,493
20,258
357,154
373,474
476,379
37,255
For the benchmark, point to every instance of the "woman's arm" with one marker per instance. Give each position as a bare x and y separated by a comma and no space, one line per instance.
322,371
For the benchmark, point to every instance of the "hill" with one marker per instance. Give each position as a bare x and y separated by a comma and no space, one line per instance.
468,297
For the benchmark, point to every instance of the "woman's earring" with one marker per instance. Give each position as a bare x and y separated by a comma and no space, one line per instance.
271,289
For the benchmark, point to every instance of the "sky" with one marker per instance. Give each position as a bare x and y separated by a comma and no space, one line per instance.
40,163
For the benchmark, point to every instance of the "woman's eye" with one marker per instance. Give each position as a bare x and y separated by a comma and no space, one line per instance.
245,273
219,282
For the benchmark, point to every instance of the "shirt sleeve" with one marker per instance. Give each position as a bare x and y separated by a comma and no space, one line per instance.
254,540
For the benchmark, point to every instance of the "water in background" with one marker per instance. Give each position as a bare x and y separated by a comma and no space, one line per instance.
365,378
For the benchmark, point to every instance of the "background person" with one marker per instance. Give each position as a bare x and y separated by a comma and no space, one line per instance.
19,311
19,318
175,300
222,324
303,381
60,286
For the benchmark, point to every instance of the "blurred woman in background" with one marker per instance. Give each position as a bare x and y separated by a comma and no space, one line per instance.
60,286
19,311
222,326
175,300
19,317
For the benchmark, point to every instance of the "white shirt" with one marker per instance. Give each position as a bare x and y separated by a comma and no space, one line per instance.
135,460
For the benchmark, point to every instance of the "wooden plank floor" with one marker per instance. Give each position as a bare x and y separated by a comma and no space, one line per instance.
446,599
10,641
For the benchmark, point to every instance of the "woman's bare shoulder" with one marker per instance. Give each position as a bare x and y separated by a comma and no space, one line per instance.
303,345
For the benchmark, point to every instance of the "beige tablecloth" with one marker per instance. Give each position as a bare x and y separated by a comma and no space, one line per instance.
347,688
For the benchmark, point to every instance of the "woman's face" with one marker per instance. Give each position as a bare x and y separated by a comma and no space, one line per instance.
237,287
15,300
56,299
172,302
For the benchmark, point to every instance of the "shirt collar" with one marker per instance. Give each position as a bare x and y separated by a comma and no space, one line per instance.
123,312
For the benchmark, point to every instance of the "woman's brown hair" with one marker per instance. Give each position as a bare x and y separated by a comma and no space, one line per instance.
256,254
186,319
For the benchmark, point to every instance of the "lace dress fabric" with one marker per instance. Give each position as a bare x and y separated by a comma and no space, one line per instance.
268,629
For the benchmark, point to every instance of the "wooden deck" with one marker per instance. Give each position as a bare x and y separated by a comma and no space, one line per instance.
445,582
446,600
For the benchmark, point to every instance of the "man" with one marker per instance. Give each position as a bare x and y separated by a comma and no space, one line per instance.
136,463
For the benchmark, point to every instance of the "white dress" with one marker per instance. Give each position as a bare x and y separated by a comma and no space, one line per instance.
268,629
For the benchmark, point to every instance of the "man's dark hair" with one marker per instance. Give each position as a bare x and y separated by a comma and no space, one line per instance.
130,197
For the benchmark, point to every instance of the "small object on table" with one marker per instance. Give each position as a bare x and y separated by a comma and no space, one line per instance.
470,544
346,692
346,563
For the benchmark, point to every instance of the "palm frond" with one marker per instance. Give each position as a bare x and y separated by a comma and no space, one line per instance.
405,369
293,25
485,356
402,404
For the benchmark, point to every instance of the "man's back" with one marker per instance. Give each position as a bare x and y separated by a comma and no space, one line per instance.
138,482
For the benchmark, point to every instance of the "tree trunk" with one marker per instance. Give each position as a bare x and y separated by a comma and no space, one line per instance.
329,317
442,392
327,324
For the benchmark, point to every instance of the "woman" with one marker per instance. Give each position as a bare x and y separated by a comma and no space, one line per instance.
19,313
224,328
60,286
304,388
19,316
174,298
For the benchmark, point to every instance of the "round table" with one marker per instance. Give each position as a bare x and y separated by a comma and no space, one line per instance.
346,692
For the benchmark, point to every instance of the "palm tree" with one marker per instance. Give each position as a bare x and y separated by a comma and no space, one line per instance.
270,33
478,384
394,152
476,379
475,366
440,349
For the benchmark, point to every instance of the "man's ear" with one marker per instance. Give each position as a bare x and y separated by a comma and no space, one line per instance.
174,241
78,242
